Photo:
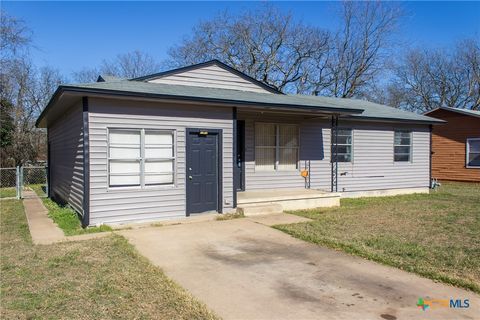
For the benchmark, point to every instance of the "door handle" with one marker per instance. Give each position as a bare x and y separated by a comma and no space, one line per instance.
190,177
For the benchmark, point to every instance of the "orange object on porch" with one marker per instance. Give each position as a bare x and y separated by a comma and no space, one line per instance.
304,173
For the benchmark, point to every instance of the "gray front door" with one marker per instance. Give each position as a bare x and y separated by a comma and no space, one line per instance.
202,170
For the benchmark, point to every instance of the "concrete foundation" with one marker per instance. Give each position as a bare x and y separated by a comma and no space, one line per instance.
384,193
288,199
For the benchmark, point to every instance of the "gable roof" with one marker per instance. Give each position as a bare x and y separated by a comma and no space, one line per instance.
207,64
357,109
473,113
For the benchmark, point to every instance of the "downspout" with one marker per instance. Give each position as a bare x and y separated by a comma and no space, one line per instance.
86,165
430,159
49,154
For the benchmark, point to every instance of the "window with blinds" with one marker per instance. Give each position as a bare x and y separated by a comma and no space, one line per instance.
344,145
402,146
473,152
276,147
139,157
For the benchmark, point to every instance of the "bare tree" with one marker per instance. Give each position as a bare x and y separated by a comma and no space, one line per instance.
293,57
265,44
24,92
359,50
428,79
15,37
128,65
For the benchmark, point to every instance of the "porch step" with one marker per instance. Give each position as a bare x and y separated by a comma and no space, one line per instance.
289,199
259,209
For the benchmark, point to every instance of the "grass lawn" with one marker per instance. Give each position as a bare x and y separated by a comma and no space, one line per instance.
8,192
95,279
435,235
65,217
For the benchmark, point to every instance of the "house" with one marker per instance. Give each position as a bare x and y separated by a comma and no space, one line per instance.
456,145
210,138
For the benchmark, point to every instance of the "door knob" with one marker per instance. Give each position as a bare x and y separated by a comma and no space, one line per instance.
190,177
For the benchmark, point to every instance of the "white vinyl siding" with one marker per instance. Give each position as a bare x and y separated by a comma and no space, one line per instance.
65,138
122,205
140,157
212,76
372,168
276,147
402,146
473,153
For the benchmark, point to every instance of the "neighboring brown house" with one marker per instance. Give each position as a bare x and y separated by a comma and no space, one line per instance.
456,145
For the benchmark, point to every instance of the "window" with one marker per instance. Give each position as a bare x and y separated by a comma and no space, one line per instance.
276,147
344,145
139,157
473,152
402,146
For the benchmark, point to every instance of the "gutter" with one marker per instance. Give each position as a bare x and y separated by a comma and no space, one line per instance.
434,121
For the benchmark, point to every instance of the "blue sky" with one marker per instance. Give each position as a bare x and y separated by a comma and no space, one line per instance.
72,35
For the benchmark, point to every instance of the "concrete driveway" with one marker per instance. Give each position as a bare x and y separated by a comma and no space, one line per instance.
243,269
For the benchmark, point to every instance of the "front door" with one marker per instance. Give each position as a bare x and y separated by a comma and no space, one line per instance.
203,170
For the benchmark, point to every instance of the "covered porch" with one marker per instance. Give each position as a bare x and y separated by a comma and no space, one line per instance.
284,160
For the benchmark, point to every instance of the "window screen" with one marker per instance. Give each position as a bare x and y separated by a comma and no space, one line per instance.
344,145
265,146
402,146
140,157
473,152
125,158
287,147
276,147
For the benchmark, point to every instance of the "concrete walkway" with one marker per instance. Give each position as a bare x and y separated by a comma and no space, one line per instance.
243,269
42,229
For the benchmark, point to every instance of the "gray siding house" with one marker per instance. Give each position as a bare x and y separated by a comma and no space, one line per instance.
198,139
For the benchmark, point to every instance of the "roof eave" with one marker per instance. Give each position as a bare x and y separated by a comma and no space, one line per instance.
51,102
63,89
398,120
454,110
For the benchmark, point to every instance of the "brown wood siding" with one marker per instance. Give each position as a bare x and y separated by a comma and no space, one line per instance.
449,146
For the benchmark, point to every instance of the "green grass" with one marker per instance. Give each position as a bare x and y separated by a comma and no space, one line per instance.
8,192
435,235
65,217
96,279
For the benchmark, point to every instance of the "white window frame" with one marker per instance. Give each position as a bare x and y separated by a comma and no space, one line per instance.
345,144
277,146
467,153
410,150
142,159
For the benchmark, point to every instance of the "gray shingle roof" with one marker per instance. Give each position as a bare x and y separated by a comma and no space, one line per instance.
352,107
475,113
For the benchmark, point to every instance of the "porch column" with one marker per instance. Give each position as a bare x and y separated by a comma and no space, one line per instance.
334,154
235,155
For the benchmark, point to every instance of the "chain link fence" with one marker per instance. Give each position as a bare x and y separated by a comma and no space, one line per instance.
33,179
23,182
8,182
